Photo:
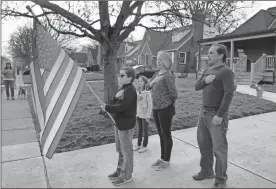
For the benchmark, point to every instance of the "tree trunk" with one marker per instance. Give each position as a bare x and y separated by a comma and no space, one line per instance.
197,30
110,76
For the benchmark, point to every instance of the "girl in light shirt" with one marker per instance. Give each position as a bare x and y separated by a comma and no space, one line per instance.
144,111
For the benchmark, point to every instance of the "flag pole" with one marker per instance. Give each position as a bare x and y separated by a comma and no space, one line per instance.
98,99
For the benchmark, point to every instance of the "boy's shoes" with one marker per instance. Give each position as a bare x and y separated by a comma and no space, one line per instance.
120,181
204,175
143,149
157,163
136,148
163,165
114,175
219,185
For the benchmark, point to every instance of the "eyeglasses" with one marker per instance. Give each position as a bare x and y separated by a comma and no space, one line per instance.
121,75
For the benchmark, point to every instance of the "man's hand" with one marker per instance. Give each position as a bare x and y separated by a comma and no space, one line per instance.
210,78
217,120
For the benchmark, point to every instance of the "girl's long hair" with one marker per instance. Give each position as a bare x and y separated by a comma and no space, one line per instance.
6,67
145,81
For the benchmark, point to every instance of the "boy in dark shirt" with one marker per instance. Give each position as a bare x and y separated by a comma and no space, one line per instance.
218,85
124,113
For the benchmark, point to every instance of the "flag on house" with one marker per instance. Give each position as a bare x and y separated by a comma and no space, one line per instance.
57,83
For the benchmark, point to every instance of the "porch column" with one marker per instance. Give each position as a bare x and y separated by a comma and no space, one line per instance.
232,65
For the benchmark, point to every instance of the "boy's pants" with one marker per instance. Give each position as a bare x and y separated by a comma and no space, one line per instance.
124,147
212,141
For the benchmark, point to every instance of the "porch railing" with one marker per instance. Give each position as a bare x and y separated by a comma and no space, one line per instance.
235,60
239,66
270,63
257,68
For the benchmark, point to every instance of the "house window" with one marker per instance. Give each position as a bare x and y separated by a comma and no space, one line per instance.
146,59
182,57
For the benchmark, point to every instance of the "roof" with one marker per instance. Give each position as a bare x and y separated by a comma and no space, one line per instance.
121,52
178,44
263,22
233,35
158,40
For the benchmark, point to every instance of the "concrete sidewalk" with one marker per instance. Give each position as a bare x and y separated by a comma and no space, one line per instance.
251,160
245,89
22,164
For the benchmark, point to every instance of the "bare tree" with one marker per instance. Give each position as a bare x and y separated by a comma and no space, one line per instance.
82,18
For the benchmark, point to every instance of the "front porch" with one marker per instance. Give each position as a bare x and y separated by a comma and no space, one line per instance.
252,59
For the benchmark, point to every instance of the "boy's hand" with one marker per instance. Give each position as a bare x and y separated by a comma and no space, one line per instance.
103,106
119,94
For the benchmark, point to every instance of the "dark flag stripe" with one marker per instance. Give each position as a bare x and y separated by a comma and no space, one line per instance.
57,79
64,115
57,102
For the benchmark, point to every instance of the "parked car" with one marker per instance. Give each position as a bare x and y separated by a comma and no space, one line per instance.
83,69
144,70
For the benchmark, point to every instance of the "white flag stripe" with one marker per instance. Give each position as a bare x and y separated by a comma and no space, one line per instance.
59,89
54,71
42,71
37,104
62,112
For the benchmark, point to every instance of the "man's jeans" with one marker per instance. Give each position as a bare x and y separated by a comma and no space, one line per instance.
124,147
9,84
212,141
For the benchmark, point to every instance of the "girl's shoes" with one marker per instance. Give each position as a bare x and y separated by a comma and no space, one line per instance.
143,149
136,148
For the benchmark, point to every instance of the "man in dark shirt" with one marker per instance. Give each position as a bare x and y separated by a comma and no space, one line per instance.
218,85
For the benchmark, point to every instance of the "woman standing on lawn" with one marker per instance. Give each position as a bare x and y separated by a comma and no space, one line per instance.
144,111
9,80
164,95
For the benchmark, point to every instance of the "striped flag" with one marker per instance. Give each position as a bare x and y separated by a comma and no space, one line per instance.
60,83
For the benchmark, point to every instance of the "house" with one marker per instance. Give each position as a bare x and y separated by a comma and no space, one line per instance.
179,42
127,53
86,57
251,48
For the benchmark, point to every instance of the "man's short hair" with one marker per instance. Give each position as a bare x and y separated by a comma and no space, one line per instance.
129,72
221,49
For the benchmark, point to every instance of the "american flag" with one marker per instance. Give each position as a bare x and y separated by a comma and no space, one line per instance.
57,84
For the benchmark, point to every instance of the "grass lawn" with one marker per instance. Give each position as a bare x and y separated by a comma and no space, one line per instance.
87,128
269,88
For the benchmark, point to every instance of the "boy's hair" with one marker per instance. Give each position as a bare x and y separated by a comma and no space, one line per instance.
144,79
129,72
221,49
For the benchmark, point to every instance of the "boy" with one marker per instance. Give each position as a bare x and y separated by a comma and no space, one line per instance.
124,113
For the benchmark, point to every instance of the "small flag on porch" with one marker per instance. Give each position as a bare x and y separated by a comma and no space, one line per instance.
58,84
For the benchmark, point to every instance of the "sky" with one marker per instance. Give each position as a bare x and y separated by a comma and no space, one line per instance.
10,26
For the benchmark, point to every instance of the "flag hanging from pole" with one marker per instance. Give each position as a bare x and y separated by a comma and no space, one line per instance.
60,83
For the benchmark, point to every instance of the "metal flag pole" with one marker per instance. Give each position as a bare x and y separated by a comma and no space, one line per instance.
98,99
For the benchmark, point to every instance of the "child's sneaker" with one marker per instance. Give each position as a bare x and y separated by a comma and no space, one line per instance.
120,181
143,149
136,148
163,165
157,163
114,175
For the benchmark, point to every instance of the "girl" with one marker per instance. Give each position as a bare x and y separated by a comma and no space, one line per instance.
9,80
144,111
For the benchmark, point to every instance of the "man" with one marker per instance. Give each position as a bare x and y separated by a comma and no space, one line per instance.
218,86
